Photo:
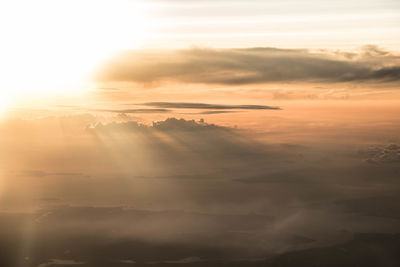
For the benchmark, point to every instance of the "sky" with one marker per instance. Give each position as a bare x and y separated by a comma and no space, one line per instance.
43,40
199,133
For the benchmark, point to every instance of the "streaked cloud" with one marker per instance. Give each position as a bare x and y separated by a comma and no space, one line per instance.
186,105
149,110
253,66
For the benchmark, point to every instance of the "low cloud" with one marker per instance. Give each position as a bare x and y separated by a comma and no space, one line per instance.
383,154
252,66
167,107
205,106
178,189
217,112
166,125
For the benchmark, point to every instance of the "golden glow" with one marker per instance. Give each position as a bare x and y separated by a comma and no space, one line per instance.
51,47
4,102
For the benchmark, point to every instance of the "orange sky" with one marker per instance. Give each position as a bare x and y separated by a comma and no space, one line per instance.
54,53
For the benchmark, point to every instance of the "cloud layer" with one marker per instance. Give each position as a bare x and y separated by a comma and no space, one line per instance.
252,66
187,192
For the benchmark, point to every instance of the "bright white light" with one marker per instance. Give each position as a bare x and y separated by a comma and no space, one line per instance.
51,47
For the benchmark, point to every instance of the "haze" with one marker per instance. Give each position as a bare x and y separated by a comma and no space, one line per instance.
199,133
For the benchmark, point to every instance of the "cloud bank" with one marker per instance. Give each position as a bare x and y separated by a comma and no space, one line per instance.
252,66
186,192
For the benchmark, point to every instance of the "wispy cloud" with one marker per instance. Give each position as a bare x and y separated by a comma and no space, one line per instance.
186,105
149,110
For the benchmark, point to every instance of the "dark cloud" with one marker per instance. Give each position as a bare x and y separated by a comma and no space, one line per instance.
204,106
387,74
166,107
217,112
252,66
382,154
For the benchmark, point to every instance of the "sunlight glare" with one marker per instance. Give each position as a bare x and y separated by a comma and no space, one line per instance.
52,47
4,103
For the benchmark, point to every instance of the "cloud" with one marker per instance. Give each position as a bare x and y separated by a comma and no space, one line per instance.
252,66
383,154
166,125
198,147
166,107
218,193
217,112
204,106
149,110
388,74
